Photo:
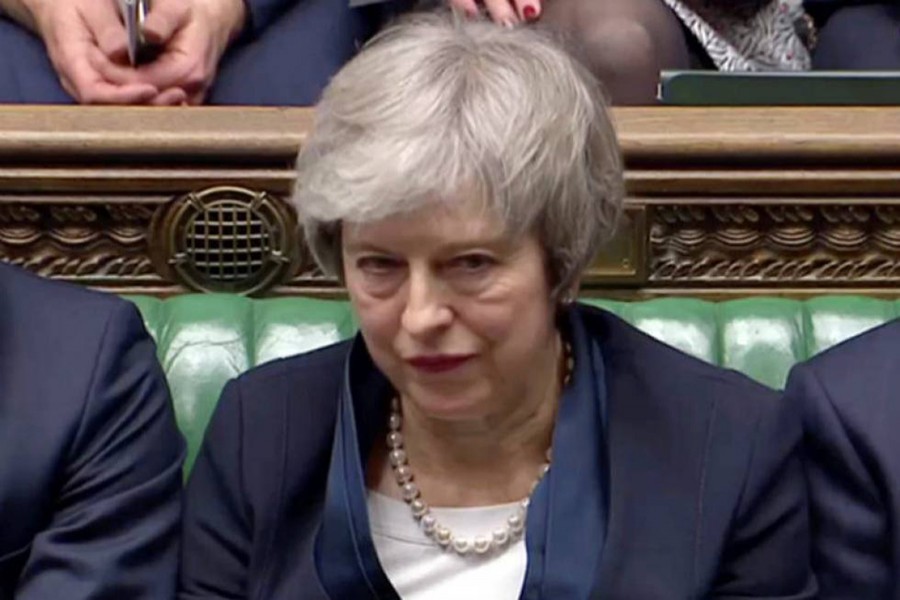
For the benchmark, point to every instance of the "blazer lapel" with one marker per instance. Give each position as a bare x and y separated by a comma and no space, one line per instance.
345,555
657,452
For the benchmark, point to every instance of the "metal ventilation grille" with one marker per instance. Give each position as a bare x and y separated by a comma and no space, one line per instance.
228,240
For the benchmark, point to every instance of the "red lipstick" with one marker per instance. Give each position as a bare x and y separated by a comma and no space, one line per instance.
439,363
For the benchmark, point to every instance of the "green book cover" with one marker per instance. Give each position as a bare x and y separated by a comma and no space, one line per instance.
780,88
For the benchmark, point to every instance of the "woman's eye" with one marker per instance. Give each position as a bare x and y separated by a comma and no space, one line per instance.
377,265
473,262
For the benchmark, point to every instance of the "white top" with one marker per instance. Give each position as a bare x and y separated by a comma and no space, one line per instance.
420,570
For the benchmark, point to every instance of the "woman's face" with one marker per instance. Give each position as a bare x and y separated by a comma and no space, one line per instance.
455,313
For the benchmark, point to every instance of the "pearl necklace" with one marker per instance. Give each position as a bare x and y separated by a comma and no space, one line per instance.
483,544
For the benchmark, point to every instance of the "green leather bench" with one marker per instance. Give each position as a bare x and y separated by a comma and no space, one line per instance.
205,339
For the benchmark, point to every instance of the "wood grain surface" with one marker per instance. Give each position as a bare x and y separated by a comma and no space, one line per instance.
721,201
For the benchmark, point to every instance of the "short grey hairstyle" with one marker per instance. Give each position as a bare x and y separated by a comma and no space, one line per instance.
437,105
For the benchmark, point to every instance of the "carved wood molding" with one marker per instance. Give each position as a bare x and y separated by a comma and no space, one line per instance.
98,244
733,201
799,244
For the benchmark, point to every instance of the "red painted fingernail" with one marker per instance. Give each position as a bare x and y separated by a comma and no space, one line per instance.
530,13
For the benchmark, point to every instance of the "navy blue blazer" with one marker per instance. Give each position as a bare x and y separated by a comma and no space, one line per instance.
850,396
90,456
700,476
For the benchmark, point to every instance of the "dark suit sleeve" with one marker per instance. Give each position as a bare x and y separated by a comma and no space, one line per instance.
216,532
849,518
767,554
261,13
114,532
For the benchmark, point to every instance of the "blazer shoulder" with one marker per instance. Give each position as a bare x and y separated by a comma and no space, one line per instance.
322,364
304,386
271,427
664,366
873,351
852,386
56,327
27,297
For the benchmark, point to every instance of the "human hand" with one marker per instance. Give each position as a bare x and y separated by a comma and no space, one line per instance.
192,36
81,36
503,12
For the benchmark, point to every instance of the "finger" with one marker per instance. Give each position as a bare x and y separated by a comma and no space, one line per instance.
467,7
113,72
91,88
177,70
501,12
68,87
198,99
529,11
170,97
164,20
107,28
113,42
107,93
62,65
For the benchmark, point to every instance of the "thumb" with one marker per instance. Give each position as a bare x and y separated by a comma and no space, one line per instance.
113,42
164,20
108,30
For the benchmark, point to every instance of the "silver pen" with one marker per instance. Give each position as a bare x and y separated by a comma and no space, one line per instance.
133,13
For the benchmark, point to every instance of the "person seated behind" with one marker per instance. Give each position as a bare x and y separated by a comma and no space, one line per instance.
855,35
265,52
90,456
484,434
850,396
626,43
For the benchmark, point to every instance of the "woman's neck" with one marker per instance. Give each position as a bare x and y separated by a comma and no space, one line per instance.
479,462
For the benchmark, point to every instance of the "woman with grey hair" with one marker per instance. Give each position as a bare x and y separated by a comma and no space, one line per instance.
484,435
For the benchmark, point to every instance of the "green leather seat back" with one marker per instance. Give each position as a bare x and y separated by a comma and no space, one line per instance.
205,339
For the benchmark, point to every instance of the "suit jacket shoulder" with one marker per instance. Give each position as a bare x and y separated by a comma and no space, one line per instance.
656,363
39,305
290,407
90,456
874,352
50,331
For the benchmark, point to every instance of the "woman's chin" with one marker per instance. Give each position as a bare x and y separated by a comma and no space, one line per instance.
449,407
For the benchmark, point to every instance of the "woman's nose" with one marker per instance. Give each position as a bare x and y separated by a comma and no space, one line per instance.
427,306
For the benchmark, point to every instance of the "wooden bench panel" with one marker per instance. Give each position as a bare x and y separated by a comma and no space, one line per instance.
721,201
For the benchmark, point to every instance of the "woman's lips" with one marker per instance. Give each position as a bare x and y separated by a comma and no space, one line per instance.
439,363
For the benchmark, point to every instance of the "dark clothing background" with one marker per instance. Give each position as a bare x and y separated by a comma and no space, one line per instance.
856,34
